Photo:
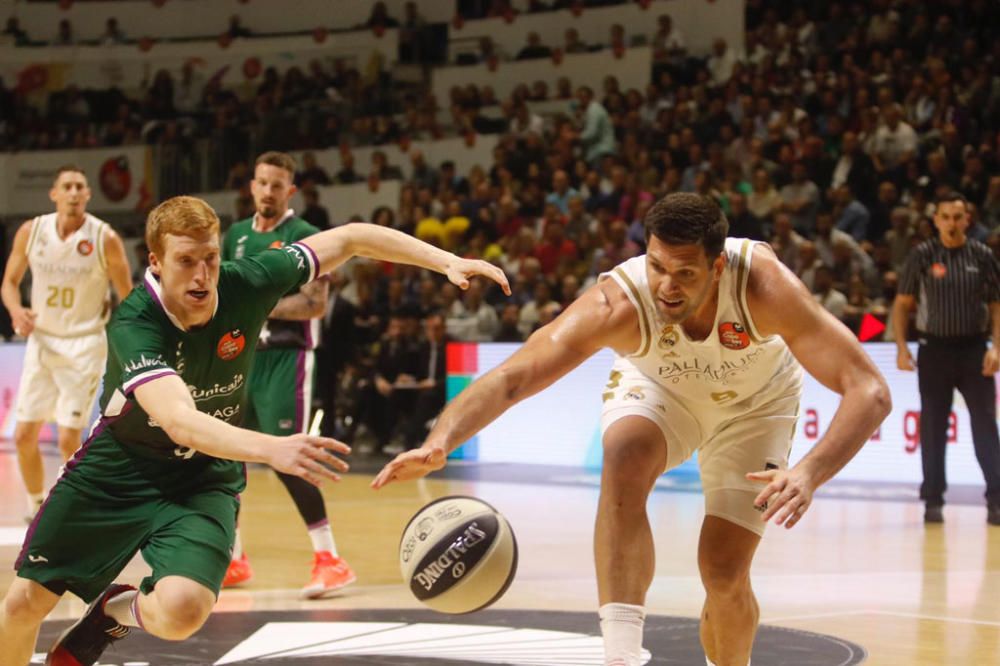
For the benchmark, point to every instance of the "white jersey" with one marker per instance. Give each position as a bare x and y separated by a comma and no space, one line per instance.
734,363
69,278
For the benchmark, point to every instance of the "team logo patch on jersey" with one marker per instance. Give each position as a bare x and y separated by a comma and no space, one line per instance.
668,338
938,270
275,245
85,247
733,336
231,345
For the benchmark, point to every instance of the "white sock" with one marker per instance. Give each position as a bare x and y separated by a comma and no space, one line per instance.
322,539
124,608
35,502
237,546
621,627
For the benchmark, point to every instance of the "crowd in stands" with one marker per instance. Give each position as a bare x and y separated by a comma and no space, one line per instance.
828,136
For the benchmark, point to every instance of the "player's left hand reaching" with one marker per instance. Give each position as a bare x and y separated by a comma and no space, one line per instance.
787,495
411,465
460,270
308,457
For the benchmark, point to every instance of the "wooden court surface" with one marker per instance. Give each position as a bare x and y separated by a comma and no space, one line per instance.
866,571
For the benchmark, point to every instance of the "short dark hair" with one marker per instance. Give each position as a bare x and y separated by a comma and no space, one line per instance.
951,196
68,168
277,159
685,218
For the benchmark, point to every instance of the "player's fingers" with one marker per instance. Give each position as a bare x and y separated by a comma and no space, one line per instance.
775,504
796,516
328,443
307,476
761,476
786,512
330,460
770,489
320,471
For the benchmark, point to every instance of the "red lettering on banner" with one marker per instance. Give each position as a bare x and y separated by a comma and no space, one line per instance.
952,428
911,430
811,425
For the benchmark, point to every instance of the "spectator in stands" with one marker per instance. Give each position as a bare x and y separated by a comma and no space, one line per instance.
311,172
596,133
112,33
990,210
64,37
381,168
554,246
379,17
525,122
807,263
16,33
852,215
832,300
476,320
786,242
743,223
800,199
900,236
239,176
721,63
764,201
412,35
531,312
509,331
886,201
668,43
346,175
396,369
561,191
236,29
573,43
314,213
534,49
894,143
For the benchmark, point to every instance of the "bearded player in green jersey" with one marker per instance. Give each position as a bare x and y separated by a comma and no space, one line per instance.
280,382
162,470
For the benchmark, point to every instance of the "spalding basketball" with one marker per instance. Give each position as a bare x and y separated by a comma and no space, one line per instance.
458,555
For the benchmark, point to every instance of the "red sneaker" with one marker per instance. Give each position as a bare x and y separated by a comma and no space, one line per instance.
330,573
239,572
84,642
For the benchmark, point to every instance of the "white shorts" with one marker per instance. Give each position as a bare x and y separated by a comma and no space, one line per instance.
731,441
60,378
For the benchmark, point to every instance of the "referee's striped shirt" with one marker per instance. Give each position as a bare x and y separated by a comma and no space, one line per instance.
953,287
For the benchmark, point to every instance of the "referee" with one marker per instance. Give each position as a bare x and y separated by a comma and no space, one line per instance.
955,283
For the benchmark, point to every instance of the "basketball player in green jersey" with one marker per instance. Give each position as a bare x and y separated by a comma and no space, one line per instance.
162,469
281,380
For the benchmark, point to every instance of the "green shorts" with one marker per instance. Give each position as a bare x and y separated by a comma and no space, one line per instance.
88,530
280,391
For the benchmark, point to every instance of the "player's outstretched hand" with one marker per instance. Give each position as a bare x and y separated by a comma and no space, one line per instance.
787,495
460,270
410,465
308,457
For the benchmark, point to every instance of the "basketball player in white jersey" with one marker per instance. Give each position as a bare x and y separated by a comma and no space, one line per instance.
711,335
72,256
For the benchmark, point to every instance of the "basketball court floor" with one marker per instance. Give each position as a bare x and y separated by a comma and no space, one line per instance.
859,580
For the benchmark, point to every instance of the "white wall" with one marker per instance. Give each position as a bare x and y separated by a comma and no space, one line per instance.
632,69
699,22
194,18
126,65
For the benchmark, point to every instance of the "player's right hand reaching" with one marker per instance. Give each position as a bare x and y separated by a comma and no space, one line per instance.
308,457
411,465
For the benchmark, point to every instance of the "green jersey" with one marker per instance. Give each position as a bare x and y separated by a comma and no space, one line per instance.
242,240
146,341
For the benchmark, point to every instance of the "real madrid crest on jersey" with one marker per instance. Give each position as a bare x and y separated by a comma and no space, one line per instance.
668,338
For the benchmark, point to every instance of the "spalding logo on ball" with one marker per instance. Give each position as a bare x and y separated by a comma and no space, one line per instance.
458,555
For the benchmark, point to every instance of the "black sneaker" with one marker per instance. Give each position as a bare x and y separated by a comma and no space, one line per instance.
84,642
934,513
993,514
